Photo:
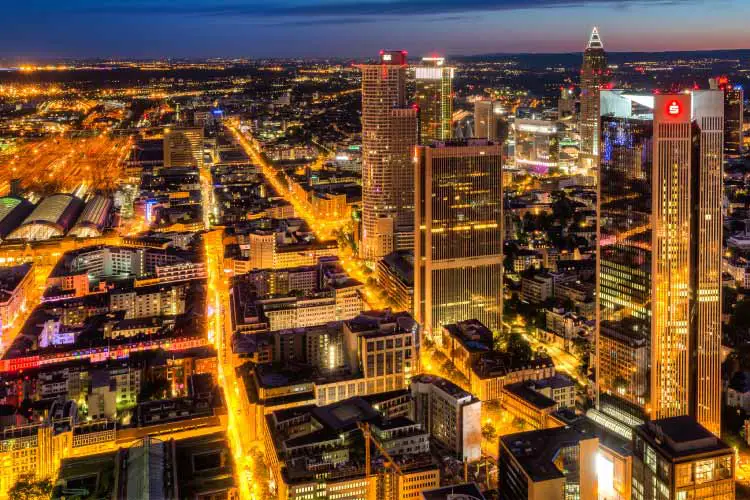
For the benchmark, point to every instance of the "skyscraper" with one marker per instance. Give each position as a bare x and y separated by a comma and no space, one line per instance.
183,147
566,103
734,107
659,256
489,120
594,75
389,134
434,99
458,235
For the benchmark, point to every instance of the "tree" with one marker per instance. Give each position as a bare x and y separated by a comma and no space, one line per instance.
519,348
155,389
28,488
488,432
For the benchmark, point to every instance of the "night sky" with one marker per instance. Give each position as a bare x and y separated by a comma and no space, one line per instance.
352,28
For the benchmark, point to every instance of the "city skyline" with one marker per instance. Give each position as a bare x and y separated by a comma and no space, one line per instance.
351,29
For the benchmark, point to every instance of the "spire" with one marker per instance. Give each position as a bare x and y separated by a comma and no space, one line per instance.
595,41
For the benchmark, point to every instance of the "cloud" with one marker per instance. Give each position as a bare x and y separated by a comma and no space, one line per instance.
343,9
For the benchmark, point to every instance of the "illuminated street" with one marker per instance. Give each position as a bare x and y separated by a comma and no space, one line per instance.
323,229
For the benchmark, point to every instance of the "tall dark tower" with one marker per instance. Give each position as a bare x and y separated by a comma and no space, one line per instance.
594,75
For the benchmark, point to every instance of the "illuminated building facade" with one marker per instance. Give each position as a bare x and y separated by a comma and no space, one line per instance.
458,234
659,255
536,144
489,120
183,147
594,75
678,458
389,134
434,99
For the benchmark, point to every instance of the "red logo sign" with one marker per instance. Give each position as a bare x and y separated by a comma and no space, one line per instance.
673,108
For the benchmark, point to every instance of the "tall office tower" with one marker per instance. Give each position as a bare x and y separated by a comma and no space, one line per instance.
389,134
183,147
458,233
659,256
594,75
734,107
434,99
489,120
566,103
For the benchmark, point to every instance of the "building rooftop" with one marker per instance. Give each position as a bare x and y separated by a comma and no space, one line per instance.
498,364
401,264
557,381
680,437
466,491
445,385
537,451
472,333
525,391
344,415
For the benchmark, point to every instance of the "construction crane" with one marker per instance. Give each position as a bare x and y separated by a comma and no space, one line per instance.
388,492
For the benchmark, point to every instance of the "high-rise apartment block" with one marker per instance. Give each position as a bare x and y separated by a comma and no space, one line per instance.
458,235
594,75
659,256
434,99
183,147
389,134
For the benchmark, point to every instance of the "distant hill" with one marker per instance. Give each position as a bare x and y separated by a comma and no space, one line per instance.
574,59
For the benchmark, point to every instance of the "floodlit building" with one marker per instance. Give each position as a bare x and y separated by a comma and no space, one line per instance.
452,415
489,120
734,110
548,464
677,458
389,133
659,255
183,147
434,99
537,145
594,75
52,217
458,233
93,219
13,211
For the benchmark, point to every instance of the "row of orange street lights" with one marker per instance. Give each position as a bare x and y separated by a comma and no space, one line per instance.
353,265
323,229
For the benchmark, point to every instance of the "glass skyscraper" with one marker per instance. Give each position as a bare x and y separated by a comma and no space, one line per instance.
659,256
434,99
594,76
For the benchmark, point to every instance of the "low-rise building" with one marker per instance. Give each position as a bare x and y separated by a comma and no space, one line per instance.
496,369
536,289
533,408
16,288
548,464
464,343
738,391
396,276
